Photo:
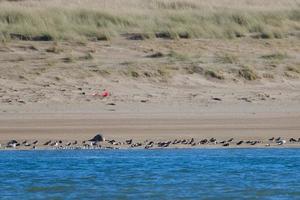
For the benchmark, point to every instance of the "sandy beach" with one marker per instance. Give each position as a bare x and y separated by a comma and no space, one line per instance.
37,106
153,122
232,73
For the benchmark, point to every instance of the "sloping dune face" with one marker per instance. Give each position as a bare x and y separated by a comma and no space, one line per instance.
68,50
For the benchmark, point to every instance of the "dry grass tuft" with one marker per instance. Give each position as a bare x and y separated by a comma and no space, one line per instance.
55,48
214,74
275,56
176,56
194,69
227,58
248,73
295,69
138,19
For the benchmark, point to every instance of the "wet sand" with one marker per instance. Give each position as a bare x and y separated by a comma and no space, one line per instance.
151,125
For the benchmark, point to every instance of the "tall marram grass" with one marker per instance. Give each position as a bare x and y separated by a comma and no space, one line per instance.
29,19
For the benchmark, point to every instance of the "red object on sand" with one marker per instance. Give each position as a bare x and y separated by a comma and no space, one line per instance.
105,93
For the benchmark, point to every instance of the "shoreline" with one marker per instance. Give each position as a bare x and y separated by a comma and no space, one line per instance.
164,127
154,149
130,144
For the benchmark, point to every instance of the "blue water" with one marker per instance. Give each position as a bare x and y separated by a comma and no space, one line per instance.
151,174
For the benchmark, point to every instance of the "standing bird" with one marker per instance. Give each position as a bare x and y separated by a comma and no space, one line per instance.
27,145
175,141
212,140
150,143
184,141
54,144
271,139
192,141
281,142
293,140
47,143
129,142
204,141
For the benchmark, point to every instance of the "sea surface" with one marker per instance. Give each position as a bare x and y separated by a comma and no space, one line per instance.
151,174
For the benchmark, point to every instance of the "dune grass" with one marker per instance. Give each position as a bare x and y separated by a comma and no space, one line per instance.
156,18
275,56
248,73
214,74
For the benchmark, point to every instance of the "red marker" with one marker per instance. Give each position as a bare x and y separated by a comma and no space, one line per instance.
105,93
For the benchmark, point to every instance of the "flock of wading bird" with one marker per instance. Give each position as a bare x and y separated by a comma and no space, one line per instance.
99,142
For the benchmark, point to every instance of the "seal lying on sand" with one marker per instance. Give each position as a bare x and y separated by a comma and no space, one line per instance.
97,138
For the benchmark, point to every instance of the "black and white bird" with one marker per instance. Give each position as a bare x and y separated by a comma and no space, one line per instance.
47,143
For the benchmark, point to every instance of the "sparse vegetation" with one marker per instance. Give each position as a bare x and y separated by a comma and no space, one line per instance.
134,74
173,55
69,59
275,56
50,63
248,73
54,49
194,69
214,74
295,69
19,59
74,56
57,78
163,73
101,71
268,76
288,74
227,58
88,56
139,19
156,55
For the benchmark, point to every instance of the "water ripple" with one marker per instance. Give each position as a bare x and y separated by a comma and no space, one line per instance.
157,174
